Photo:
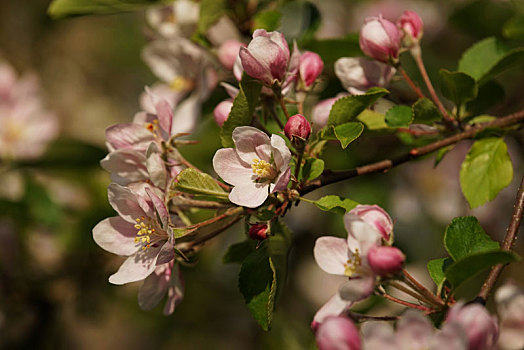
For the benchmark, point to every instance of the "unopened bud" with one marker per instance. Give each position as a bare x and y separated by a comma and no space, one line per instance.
258,232
337,332
385,261
297,126
221,111
412,27
228,53
310,67
380,39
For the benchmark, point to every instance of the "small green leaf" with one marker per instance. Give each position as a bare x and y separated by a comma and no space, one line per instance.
257,284
489,57
348,132
346,109
236,253
279,245
373,120
441,153
464,236
486,170
458,87
490,94
514,28
268,20
242,111
335,204
312,169
468,267
425,111
210,13
437,269
66,8
399,116
192,181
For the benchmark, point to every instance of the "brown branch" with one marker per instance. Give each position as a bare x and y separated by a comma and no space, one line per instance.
405,303
329,176
507,245
359,317
421,289
411,83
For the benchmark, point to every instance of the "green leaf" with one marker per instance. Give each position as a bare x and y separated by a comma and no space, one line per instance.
458,87
373,120
482,18
66,8
193,181
300,20
399,116
441,153
238,252
348,108
514,28
468,267
312,169
425,111
268,20
490,94
279,245
486,170
257,283
210,13
242,111
464,236
348,132
335,204
489,57
437,269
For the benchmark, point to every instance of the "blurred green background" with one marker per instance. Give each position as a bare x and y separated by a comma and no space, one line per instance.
54,292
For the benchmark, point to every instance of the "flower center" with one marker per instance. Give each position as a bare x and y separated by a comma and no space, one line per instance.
353,264
153,126
263,169
147,234
180,84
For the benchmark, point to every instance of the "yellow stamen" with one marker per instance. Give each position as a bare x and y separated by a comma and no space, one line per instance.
262,169
146,233
353,264
180,84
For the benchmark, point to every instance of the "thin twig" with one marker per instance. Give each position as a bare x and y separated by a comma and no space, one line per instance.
191,246
411,84
410,292
329,176
405,303
215,219
507,245
360,317
186,163
421,289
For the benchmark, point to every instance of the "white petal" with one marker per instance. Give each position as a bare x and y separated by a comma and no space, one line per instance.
249,195
281,152
247,141
116,235
125,202
334,307
357,289
361,235
231,168
154,288
378,335
331,253
414,330
136,267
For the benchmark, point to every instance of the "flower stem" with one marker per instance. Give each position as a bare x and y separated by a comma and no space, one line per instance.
412,293
411,84
421,289
405,303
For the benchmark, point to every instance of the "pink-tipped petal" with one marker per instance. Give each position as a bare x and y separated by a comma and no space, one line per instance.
331,254
231,168
414,331
280,151
338,333
154,287
251,143
125,203
116,235
376,216
249,195
333,307
136,267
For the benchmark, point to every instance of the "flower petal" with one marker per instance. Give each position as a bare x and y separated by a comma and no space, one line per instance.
186,114
231,168
125,202
116,235
378,335
249,194
136,267
414,330
280,152
175,293
450,337
128,135
361,235
357,289
331,254
333,307
126,165
248,141
281,181
154,287
156,167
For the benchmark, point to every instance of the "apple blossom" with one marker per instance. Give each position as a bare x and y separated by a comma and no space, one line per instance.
228,52
297,126
310,67
377,217
141,232
257,166
179,19
320,113
385,261
380,39
412,27
221,111
166,279
359,74
338,333
266,57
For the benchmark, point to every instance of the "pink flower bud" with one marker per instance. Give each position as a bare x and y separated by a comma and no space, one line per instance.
481,328
412,27
385,261
310,67
338,333
258,232
297,126
380,39
359,74
221,111
266,57
376,216
228,53
320,114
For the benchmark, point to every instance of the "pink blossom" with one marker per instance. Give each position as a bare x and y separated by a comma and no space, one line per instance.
380,39
165,279
412,27
376,216
266,57
297,126
228,53
27,127
320,113
385,261
338,333
176,20
141,232
257,166
359,74
510,307
481,328
221,111
310,67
